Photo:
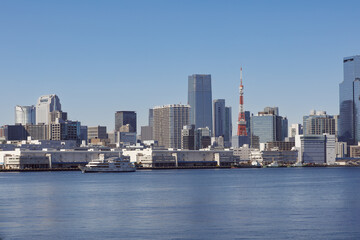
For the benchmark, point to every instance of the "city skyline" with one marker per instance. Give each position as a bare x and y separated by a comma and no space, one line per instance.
89,62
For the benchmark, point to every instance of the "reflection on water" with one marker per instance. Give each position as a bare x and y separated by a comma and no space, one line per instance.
298,203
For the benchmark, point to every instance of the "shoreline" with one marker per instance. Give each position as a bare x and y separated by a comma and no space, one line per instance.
169,168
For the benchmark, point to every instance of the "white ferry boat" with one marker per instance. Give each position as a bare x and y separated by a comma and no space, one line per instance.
112,164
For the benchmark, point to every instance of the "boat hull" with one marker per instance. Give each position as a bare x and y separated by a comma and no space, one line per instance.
92,170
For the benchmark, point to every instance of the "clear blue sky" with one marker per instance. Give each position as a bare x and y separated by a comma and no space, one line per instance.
104,56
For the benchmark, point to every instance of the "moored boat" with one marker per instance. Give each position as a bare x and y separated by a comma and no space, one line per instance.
112,164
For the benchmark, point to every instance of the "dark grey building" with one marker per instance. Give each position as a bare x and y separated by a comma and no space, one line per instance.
349,96
125,117
14,132
188,137
218,118
228,126
200,100
146,133
38,132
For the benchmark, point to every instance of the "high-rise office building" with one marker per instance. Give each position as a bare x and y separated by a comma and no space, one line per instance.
218,118
45,105
125,117
318,123
222,122
269,126
228,127
200,100
349,96
25,115
169,121
151,117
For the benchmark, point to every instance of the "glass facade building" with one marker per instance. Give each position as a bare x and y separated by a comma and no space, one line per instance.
228,125
125,117
25,115
349,97
200,100
268,126
219,118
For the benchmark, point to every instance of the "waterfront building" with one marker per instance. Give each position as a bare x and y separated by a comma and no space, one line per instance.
316,149
281,157
268,126
45,105
51,158
243,153
168,124
25,115
200,100
98,132
318,123
125,117
349,102
355,151
154,157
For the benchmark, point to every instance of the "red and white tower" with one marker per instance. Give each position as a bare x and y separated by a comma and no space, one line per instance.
241,121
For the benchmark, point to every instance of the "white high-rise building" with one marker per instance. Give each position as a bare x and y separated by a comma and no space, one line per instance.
45,105
25,115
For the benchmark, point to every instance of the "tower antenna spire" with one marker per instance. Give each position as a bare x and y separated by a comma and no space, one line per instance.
241,131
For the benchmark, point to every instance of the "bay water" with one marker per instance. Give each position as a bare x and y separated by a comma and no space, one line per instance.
278,203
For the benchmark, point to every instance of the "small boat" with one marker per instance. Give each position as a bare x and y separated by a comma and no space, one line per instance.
274,164
297,164
112,164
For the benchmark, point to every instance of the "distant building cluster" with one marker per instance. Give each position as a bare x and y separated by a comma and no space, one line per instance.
199,132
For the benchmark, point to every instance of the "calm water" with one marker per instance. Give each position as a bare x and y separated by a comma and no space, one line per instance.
297,203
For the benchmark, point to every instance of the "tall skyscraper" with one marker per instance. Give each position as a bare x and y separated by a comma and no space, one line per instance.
218,118
349,96
125,117
200,100
169,121
45,105
25,115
